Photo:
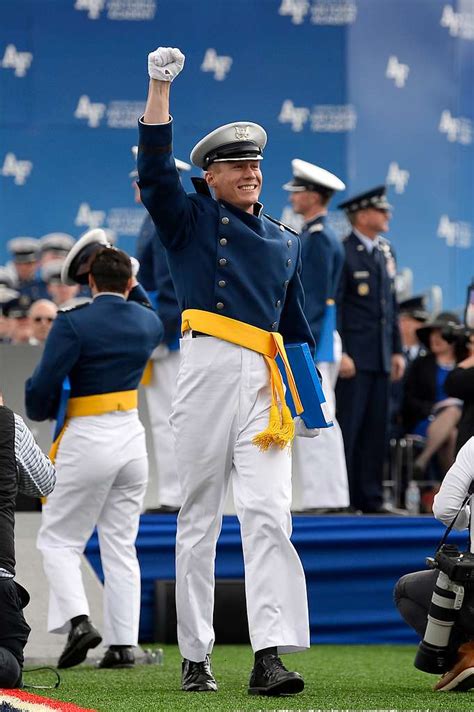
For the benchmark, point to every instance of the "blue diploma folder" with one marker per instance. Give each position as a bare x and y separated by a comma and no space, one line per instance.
315,413
325,346
62,408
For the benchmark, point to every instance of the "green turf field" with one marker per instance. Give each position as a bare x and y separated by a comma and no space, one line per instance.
337,678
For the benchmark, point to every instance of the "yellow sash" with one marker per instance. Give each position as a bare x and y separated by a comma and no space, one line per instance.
95,405
147,374
281,429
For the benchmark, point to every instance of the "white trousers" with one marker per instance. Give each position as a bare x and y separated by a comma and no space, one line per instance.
222,401
319,464
102,471
159,397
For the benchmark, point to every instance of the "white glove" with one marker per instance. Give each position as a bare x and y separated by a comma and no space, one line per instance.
135,266
303,431
165,63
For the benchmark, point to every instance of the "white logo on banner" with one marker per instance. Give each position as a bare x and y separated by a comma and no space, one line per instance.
18,170
19,61
397,177
220,65
333,12
92,111
89,218
457,129
296,9
333,118
397,71
455,232
118,9
459,24
296,116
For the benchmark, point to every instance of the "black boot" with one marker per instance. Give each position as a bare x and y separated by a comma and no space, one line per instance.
118,656
270,677
198,677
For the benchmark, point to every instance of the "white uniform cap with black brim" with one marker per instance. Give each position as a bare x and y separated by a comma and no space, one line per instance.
75,267
24,249
240,141
308,176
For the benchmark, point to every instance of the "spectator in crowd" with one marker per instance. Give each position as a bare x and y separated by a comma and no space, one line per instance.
319,464
19,320
24,266
165,360
414,591
101,456
23,468
427,410
236,274
54,246
7,296
42,313
367,314
460,384
63,295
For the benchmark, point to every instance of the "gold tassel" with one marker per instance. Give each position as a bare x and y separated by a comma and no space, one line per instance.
270,435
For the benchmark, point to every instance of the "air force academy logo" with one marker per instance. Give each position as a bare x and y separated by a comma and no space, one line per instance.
296,9
18,170
93,112
296,116
89,218
19,61
92,7
219,65
397,177
397,71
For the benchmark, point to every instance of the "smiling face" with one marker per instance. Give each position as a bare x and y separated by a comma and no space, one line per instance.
237,182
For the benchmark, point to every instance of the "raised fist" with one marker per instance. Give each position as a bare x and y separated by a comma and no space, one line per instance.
165,63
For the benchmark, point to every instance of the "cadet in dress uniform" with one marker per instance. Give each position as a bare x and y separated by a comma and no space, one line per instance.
55,246
101,457
319,466
236,273
25,252
160,390
367,322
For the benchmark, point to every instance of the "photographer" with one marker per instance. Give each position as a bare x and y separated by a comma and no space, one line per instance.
422,599
24,468
460,384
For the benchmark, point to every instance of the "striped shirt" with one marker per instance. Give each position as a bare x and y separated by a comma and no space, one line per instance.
36,473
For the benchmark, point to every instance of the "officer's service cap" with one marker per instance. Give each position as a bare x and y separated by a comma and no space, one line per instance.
374,198
75,268
24,249
240,141
18,307
7,295
51,272
415,307
6,278
180,165
57,242
307,176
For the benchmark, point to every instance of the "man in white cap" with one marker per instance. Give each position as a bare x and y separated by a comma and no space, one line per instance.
319,466
55,246
236,274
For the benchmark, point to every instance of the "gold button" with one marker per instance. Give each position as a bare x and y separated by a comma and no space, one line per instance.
225,220
288,263
220,305
223,241
222,283
223,262
289,243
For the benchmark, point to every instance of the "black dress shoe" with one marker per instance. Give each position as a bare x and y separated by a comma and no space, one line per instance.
164,509
122,658
198,677
270,677
82,637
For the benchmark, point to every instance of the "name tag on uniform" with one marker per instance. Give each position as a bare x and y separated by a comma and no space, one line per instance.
363,274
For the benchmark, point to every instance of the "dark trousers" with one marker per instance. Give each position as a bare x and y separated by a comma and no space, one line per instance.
362,412
14,632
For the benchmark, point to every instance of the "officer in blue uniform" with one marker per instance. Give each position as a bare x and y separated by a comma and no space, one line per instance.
24,267
372,353
227,259
101,459
319,465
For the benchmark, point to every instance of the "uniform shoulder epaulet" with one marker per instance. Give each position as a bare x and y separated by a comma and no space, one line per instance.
67,310
317,227
278,222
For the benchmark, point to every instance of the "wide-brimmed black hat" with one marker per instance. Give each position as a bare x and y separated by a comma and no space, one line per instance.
442,321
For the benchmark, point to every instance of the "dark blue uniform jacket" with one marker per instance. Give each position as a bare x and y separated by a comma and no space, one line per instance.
103,347
221,258
367,309
322,255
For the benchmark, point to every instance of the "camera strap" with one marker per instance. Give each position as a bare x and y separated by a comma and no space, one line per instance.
448,529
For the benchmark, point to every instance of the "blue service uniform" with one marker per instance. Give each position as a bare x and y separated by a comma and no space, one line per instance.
222,259
144,254
34,289
322,256
103,347
367,316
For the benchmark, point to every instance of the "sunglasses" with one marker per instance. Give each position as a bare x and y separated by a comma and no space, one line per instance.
37,319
